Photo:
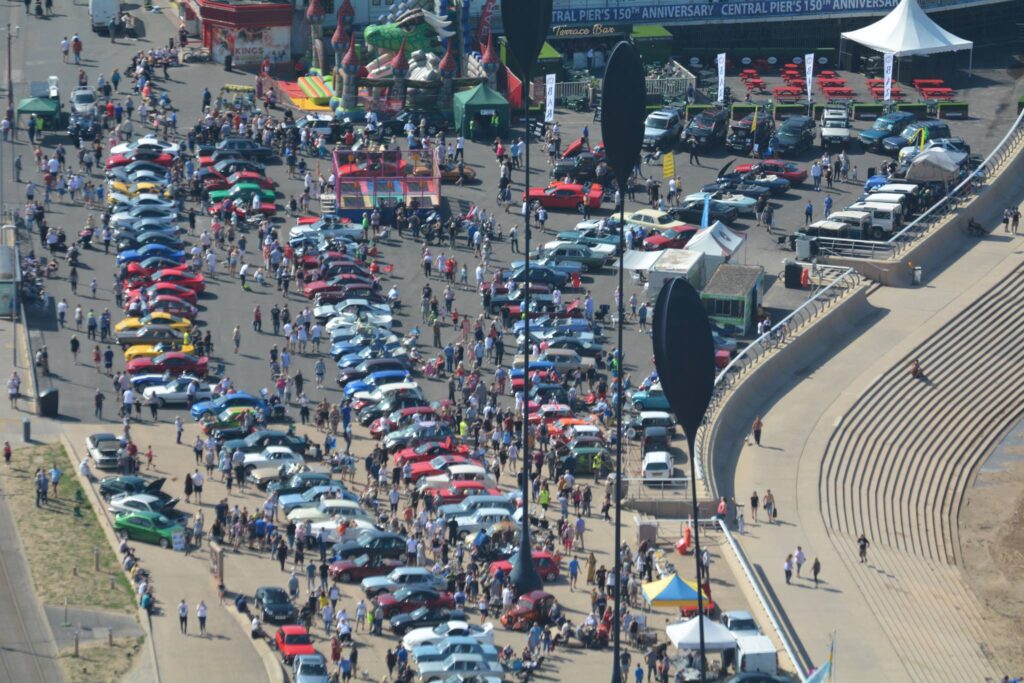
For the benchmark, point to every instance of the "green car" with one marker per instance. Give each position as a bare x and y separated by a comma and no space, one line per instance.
243,192
581,460
590,237
151,527
111,486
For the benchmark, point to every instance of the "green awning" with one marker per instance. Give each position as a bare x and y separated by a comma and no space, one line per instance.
38,105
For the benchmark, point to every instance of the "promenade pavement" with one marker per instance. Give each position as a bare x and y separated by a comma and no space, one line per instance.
899,617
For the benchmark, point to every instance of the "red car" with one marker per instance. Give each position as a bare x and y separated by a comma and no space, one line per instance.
357,569
182,278
547,565
560,195
158,289
580,145
783,169
139,154
672,238
436,466
245,208
413,597
458,491
336,283
136,269
173,362
293,640
168,303
428,451
221,183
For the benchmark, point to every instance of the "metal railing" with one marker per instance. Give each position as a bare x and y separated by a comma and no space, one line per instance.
956,197
842,281
748,572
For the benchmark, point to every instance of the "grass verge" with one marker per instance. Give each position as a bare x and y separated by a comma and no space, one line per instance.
101,663
56,541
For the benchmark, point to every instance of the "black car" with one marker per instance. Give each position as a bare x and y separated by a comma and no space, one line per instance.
795,135
738,187
580,168
708,128
587,349
388,406
274,604
111,486
299,483
167,239
434,121
358,372
150,334
236,147
401,624
257,441
372,543
692,211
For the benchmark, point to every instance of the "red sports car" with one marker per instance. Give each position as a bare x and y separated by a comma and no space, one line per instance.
136,269
158,289
428,451
245,209
219,182
293,640
560,195
413,597
336,283
173,362
672,238
547,565
458,491
140,154
357,569
783,169
168,303
436,466
182,278
580,145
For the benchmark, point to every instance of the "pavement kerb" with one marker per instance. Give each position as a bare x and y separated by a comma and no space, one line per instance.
108,530
271,662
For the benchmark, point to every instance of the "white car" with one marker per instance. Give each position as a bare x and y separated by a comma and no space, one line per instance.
122,202
401,577
175,392
319,124
459,472
272,456
380,393
141,502
329,509
740,202
432,635
103,449
147,142
83,101
354,527
462,666
484,518
346,231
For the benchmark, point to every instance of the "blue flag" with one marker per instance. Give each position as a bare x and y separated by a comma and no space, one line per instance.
706,216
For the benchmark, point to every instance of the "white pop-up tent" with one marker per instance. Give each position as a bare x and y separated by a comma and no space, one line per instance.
686,636
718,244
906,31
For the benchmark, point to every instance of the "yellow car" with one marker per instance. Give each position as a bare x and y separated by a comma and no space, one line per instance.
154,318
151,350
135,189
655,220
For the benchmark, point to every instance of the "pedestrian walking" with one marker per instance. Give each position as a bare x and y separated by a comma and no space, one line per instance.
799,557
787,567
755,429
183,616
201,616
694,159
862,548
815,570
754,500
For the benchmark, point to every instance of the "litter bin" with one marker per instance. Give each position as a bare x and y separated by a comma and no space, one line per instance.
792,275
917,276
49,402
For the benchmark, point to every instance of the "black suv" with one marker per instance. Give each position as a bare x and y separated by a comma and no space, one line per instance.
580,168
435,121
708,128
794,136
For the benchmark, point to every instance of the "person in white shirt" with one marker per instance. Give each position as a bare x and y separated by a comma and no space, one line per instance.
201,615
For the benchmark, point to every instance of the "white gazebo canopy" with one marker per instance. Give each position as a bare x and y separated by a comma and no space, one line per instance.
686,636
907,30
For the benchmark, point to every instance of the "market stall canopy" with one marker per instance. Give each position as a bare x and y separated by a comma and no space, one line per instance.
907,30
686,636
38,105
716,240
484,102
936,165
671,591
640,260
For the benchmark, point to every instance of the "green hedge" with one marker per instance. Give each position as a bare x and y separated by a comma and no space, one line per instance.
957,109
1020,105
868,110
781,111
919,108
741,110
694,109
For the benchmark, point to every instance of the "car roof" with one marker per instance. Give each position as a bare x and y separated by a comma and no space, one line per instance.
658,456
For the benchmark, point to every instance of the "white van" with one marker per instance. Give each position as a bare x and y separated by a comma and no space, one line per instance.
859,221
101,12
756,654
886,219
656,465
891,198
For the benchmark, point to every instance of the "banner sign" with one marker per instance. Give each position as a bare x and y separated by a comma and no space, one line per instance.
648,12
721,76
809,71
887,72
549,98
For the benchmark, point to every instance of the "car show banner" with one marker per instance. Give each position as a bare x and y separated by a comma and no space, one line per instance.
887,75
652,12
809,71
549,97
721,76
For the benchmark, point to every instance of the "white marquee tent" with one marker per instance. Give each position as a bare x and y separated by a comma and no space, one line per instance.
906,31
686,636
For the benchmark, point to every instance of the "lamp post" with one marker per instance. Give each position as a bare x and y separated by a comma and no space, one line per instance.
526,25
622,128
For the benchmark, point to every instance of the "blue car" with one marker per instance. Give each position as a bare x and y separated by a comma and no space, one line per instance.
310,497
540,275
357,344
651,399
535,365
562,324
454,645
238,399
376,379
150,250
142,382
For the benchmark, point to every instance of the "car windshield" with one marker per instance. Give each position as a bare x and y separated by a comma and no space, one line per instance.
671,233
84,98
312,669
419,613
162,523
702,122
659,123
275,595
883,125
297,639
651,466
742,625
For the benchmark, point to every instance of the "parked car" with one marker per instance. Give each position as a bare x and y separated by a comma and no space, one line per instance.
103,448
310,669
402,577
401,624
293,641
456,628
662,128
149,527
274,604
707,129
159,502
795,135
886,126
129,483
559,195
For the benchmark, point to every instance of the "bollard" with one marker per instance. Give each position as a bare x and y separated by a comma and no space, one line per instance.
110,636
96,556
66,621
76,643
111,582
26,430
74,569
